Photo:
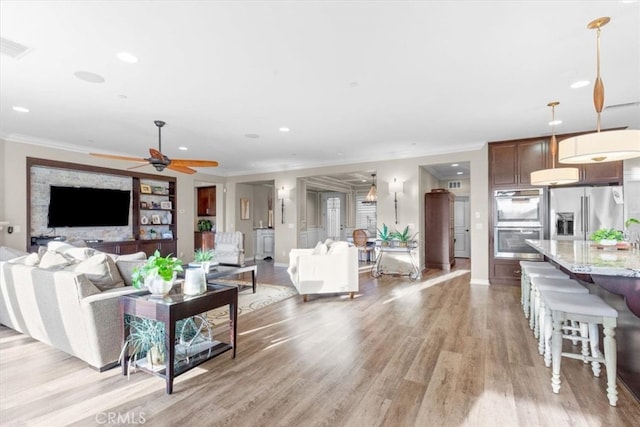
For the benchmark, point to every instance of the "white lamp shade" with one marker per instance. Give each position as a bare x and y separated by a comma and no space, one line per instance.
556,176
396,186
600,147
283,194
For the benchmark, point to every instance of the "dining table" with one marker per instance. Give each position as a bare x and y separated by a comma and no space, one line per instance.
613,273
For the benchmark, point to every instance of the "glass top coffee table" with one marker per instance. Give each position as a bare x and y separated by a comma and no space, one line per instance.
222,271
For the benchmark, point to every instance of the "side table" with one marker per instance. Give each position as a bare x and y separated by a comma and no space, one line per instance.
169,310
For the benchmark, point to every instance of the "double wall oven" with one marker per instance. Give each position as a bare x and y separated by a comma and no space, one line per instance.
518,215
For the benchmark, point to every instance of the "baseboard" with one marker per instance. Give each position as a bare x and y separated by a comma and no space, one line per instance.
482,282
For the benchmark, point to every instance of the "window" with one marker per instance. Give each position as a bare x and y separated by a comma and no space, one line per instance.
365,213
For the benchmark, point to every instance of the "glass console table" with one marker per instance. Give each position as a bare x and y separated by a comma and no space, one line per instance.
377,270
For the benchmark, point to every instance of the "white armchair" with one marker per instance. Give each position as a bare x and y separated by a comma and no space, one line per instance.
229,247
330,267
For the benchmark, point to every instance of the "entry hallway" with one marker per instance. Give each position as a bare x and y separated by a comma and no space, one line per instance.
429,353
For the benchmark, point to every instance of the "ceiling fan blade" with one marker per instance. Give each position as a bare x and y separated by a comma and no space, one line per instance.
111,156
195,163
179,168
156,154
138,166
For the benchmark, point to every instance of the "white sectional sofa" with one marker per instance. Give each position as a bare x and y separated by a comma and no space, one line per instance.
70,304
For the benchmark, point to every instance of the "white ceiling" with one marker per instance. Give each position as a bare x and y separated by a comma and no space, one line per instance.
354,81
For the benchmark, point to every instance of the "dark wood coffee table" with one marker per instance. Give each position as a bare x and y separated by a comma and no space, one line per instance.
169,310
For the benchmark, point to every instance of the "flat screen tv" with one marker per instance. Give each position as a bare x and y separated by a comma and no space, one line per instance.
88,207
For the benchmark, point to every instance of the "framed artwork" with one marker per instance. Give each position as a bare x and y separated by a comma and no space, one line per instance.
165,205
158,190
144,205
145,188
155,219
144,220
244,208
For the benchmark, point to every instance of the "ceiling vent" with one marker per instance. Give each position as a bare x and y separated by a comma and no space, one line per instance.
12,49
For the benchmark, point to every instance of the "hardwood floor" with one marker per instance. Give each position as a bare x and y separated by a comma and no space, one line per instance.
402,353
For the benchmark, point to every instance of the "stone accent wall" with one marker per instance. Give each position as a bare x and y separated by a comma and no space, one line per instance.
41,180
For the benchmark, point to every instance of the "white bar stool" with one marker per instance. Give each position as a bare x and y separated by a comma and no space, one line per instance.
544,284
525,291
539,272
584,308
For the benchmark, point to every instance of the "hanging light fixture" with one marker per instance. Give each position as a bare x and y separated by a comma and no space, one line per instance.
554,176
372,195
600,147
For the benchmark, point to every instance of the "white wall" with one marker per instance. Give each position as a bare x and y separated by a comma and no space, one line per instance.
410,203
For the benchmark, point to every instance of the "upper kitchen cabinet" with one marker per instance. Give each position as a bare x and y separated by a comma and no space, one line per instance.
511,162
609,173
207,201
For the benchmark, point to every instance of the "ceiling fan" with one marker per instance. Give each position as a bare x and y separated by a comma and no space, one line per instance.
160,161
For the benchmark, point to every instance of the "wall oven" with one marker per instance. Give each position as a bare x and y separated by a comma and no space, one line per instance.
519,208
509,242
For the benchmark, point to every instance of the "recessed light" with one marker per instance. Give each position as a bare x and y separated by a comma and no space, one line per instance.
251,135
455,165
460,173
579,84
127,57
88,76
122,96
284,129
555,122
21,109
183,148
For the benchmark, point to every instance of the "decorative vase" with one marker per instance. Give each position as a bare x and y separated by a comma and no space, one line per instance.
158,286
195,282
155,356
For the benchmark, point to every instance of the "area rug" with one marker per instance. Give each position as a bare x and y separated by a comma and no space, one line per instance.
248,301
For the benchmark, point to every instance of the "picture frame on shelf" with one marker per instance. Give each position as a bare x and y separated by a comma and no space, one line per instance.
166,204
161,191
167,235
144,220
144,205
155,219
145,188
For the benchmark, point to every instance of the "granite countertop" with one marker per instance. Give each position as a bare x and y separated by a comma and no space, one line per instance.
585,258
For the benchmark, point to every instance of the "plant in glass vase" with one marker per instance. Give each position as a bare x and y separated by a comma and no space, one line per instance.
384,235
157,273
403,237
205,257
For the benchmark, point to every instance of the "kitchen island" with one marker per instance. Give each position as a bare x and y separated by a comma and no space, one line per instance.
613,274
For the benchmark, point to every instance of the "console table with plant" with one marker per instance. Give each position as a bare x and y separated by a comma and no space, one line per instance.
395,242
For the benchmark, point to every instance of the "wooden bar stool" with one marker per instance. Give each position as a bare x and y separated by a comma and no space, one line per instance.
551,273
592,310
546,284
525,291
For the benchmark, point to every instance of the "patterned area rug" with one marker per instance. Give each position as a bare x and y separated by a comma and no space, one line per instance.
248,301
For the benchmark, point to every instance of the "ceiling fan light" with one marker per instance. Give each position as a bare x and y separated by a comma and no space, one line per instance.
555,176
600,147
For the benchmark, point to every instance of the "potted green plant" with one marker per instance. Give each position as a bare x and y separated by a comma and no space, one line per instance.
204,257
384,235
157,273
152,234
204,225
403,236
146,338
607,236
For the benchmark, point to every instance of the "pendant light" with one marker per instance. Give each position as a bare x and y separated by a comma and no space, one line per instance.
372,195
600,147
554,176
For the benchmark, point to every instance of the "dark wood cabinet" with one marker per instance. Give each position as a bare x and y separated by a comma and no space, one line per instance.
207,201
204,240
439,230
511,162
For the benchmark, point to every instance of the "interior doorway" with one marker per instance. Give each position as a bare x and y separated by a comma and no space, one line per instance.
462,224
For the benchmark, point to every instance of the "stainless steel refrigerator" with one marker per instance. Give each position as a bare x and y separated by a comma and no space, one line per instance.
576,212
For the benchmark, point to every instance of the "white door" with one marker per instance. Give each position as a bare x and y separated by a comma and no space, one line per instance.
334,215
462,245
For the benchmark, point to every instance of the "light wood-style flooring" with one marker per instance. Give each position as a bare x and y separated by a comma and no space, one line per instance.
401,353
